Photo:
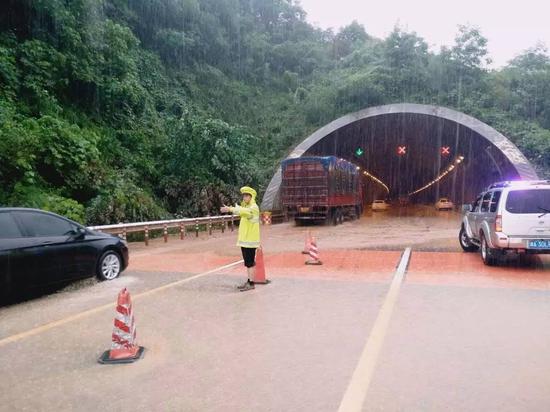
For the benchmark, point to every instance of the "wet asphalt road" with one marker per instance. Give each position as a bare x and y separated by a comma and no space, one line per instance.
459,336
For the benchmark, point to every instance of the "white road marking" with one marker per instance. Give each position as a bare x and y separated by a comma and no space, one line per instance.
51,325
356,393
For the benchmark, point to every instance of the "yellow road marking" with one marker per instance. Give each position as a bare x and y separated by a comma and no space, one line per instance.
51,325
356,393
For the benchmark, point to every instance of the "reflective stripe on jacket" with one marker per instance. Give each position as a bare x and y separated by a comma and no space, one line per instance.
249,226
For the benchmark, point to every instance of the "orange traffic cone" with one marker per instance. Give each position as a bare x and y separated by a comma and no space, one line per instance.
123,347
259,276
313,253
307,243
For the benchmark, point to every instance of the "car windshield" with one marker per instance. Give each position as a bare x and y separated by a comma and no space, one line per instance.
528,201
443,200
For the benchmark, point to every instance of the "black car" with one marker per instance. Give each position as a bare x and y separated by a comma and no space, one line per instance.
39,248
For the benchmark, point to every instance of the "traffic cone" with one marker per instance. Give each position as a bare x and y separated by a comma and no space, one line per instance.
259,276
313,253
307,243
123,347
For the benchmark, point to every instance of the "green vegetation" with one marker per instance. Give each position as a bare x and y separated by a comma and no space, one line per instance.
129,110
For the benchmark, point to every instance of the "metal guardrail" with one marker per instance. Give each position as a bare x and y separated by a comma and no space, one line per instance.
224,222
277,218
122,229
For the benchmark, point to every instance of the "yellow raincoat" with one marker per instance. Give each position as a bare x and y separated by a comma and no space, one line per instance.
249,227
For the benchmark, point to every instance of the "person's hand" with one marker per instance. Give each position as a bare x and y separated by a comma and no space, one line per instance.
224,209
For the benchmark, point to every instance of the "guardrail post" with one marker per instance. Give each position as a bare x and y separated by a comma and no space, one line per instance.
122,234
197,228
210,226
146,236
182,231
232,224
165,233
223,224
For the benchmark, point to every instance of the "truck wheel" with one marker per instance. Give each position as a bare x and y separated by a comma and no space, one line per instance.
465,243
337,217
298,222
341,216
333,217
487,254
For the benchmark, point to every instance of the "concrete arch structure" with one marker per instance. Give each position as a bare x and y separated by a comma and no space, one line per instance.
515,162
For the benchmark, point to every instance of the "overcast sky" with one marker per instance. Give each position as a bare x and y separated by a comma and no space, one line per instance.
510,26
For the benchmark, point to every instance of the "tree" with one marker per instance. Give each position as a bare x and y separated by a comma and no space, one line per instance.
348,39
526,83
470,49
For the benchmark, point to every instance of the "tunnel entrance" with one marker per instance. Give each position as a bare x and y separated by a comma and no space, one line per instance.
415,151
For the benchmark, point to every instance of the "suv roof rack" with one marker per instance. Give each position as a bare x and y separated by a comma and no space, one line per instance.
509,183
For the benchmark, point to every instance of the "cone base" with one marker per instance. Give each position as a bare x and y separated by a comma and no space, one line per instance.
105,359
263,282
314,262
305,252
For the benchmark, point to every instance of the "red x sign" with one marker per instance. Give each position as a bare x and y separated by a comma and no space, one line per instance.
401,150
445,150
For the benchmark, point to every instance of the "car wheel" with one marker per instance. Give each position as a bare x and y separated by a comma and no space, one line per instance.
109,266
5,293
487,254
525,260
465,242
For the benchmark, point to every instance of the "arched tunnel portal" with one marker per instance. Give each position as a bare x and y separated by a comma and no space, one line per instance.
435,140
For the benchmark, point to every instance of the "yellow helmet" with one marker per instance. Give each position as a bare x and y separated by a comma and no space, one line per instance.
248,190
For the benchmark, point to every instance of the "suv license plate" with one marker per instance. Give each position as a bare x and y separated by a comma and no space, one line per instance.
304,209
539,244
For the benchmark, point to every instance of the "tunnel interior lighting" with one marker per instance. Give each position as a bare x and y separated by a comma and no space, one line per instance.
442,175
376,180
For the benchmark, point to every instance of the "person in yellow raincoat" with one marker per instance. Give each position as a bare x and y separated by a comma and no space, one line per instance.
249,232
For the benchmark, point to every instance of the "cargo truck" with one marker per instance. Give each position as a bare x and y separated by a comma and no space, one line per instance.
325,189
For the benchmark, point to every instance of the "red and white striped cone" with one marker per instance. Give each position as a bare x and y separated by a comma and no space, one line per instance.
123,348
307,243
313,253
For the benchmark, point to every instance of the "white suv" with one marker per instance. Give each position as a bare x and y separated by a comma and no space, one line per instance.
508,217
